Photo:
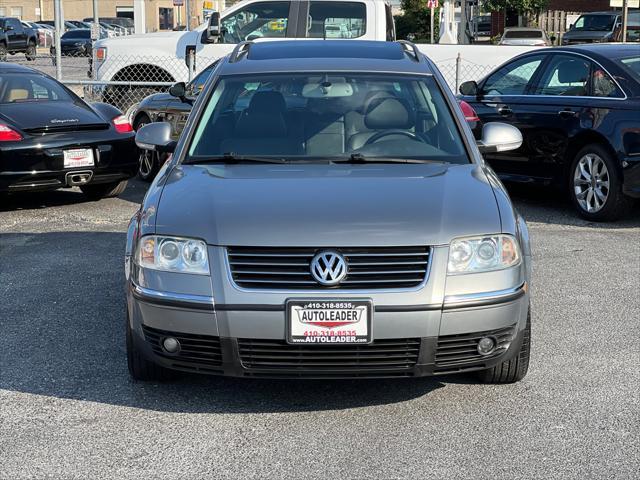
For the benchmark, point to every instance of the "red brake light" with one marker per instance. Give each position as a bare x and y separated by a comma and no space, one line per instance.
122,124
470,114
7,134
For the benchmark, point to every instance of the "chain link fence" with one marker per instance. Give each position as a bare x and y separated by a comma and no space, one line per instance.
133,77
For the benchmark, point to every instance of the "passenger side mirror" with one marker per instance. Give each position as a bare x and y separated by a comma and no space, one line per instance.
499,137
156,137
213,27
469,88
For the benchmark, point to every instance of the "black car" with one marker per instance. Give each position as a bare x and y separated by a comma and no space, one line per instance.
167,107
51,138
16,38
75,43
578,109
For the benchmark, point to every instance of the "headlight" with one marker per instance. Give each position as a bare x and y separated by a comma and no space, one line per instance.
482,254
173,254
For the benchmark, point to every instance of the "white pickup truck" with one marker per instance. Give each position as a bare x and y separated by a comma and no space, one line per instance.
163,56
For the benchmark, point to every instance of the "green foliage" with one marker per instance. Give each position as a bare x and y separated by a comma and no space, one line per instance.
415,20
523,6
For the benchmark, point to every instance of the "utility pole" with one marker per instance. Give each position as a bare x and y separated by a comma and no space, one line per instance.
96,17
187,8
57,17
625,18
462,26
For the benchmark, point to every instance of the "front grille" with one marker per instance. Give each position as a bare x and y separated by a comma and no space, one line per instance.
289,268
197,352
396,357
457,351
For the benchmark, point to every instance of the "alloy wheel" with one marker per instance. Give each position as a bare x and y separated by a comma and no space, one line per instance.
591,183
145,159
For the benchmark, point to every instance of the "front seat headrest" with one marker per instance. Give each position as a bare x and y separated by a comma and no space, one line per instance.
268,102
388,114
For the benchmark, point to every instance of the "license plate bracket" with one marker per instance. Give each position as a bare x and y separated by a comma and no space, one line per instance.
329,322
78,157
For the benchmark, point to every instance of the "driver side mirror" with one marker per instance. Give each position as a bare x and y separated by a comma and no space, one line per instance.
156,137
499,137
469,88
213,27
179,90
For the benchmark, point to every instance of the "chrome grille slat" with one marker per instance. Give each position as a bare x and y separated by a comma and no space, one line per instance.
287,268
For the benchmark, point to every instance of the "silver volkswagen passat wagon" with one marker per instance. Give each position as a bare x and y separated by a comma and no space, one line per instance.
327,214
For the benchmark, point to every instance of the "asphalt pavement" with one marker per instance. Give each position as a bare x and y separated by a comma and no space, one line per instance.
69,410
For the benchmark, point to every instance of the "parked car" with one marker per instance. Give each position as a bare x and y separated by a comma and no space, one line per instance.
75,43
50,138
15,38
327,213
535,37
577,108
44,36
595,27
633,28
68,25
173,107
121,22
481,27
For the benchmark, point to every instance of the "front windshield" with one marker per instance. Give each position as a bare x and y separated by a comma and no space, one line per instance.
595,23
313,116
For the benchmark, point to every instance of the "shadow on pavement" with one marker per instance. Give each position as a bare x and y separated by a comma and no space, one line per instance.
134,193
548,205
63,319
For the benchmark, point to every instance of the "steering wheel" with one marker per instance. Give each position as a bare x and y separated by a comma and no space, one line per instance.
387,133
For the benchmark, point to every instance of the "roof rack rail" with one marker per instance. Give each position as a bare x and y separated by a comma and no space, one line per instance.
241,49
410,49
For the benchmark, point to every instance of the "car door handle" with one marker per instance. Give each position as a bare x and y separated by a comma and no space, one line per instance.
505,111
567,113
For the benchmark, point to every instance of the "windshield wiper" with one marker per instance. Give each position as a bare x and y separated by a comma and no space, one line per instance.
231,157
359,158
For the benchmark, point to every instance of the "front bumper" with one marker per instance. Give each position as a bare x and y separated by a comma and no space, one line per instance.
248,341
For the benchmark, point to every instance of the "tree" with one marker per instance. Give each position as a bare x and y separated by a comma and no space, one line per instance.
523,6
414,21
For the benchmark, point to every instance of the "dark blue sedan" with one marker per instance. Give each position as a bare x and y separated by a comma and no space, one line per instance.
578,109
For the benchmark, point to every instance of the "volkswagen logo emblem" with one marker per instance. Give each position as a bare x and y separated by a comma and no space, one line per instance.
328,268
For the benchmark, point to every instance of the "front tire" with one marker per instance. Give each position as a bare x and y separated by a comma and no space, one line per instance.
31,52
103,190
3,52
148,161
596,185
514,369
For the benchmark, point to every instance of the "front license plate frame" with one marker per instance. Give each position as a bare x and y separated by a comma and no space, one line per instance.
345,332
79,158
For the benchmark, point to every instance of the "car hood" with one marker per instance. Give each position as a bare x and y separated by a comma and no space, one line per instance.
327,205
585,35
54,115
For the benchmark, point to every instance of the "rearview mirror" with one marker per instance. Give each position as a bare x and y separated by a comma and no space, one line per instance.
213,27
499,137
469,88
156,137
